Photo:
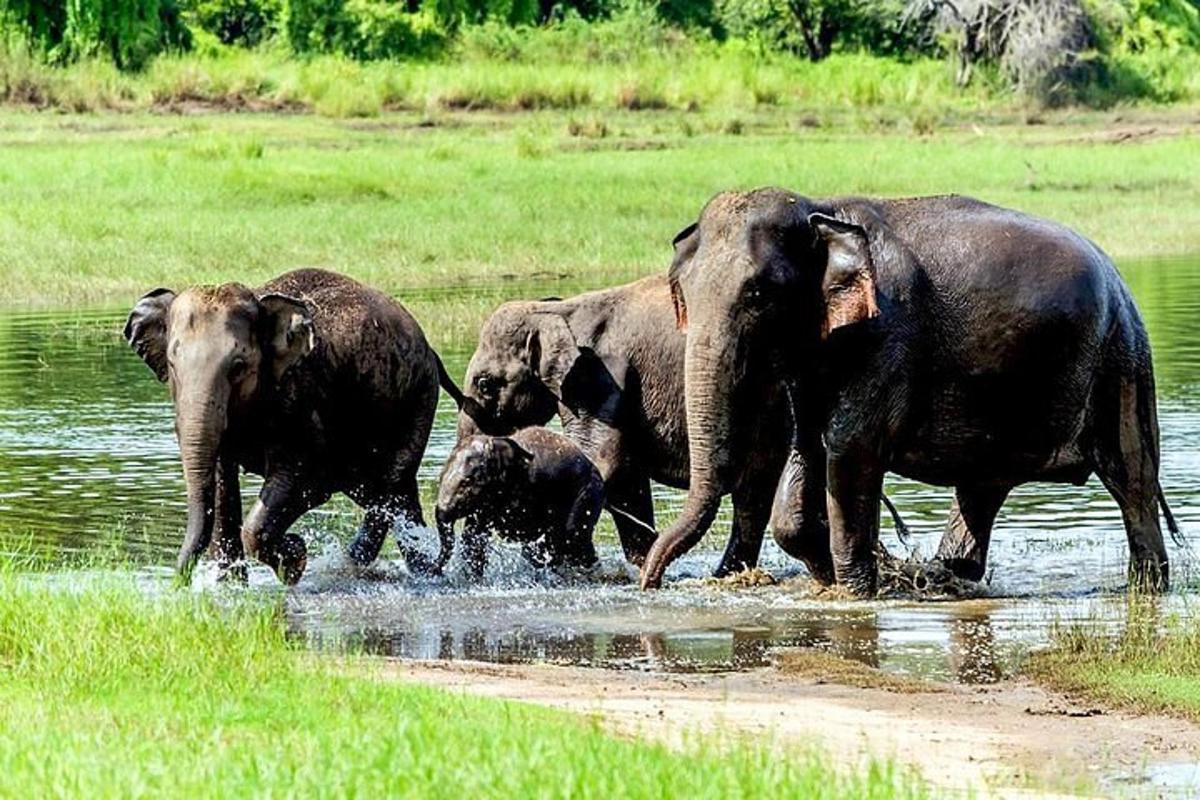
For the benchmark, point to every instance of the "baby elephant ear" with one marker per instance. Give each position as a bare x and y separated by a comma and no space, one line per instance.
146,329
289,331
519,453
849,280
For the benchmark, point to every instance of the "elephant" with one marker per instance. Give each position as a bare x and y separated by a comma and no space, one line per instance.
315,382
535,487
950,341
610,364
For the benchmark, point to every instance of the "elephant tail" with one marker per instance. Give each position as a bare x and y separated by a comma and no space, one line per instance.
1172,525
447,382
902,531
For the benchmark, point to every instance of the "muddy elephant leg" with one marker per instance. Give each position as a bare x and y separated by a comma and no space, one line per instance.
632,508
799,518
964,545
1126,461
855,483
227,540
751,509
281,502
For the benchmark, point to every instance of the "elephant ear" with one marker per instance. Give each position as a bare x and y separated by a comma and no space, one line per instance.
550,349
511,451
685,246
849,282
146,329
289,331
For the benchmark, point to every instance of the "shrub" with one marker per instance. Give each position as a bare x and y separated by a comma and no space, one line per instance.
362,29
241,22
129,32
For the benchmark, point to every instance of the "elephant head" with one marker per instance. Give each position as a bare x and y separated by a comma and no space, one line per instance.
474,478
515,377
758,282
219,349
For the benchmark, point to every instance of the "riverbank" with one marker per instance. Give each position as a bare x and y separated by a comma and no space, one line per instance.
109,692
96,209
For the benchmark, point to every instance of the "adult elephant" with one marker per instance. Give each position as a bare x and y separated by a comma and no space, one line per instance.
610,364
315,382
942,338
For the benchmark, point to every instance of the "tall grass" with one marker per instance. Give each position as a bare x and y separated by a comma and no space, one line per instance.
108,692
709,78
1151,662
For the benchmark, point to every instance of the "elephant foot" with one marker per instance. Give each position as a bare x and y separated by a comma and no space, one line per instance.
860,580
293,558
966,569
233,572
363,551
1149,576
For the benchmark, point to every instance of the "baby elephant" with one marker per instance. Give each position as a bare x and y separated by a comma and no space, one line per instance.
535,487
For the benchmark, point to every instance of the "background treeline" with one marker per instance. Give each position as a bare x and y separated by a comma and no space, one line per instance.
1053,50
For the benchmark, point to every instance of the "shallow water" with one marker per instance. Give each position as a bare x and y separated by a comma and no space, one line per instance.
88,464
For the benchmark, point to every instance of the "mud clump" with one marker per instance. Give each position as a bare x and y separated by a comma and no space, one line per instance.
821,667
746,579
915,578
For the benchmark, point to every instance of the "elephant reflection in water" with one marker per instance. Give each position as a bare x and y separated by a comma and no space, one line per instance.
973,649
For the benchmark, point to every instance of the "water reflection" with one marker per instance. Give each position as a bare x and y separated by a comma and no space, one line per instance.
88,461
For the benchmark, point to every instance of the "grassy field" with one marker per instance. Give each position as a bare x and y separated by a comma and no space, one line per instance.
105,692
1151,665
95,209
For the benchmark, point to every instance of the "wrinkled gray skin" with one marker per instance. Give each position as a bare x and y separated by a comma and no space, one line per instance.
535,487
610,364
315,382
941,338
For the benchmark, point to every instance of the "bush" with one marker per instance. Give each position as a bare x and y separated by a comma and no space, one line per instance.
129,32
366,30
241,22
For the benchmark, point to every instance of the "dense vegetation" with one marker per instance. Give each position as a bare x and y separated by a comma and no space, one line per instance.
108,692
1092,51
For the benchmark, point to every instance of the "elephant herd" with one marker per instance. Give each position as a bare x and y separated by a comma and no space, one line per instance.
796,351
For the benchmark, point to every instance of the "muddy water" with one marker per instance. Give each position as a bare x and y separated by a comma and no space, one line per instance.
88,464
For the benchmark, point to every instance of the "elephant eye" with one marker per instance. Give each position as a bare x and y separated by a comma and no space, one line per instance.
488,385
237,368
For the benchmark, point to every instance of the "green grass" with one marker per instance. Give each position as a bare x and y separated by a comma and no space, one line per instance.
1151,664
96,209
108,692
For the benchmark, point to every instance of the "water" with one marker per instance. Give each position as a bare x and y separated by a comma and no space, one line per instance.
88,463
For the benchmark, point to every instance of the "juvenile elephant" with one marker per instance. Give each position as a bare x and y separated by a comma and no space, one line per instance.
942,338
535,487
610,364
315,382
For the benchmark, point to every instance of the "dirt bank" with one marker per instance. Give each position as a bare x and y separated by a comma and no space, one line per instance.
995,741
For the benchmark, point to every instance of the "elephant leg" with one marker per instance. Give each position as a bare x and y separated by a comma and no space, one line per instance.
281,502
227,541
751,509
577,549
632,508
855,482
398,509
799,520
1126,460
475,546
964,545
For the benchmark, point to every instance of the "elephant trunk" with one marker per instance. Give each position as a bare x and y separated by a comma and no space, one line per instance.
200,431
708,390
